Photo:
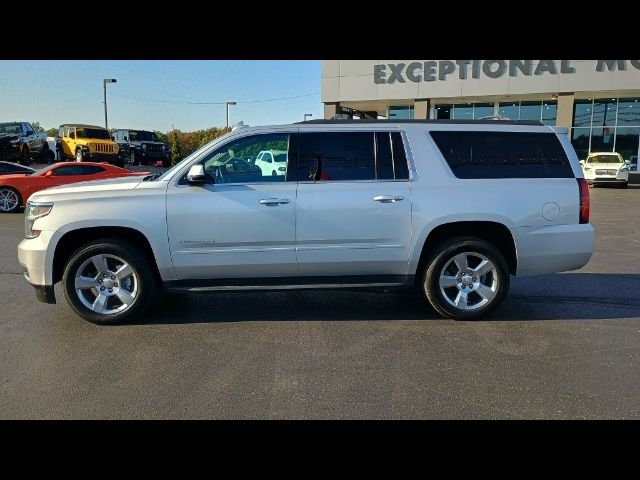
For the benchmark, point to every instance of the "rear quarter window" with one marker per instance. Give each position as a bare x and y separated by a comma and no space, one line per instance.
503,154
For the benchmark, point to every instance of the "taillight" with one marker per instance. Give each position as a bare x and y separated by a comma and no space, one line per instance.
584,200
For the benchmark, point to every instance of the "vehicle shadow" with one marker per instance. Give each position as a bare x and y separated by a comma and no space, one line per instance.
565,296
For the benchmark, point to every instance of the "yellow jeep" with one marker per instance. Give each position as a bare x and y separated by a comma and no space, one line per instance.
86,143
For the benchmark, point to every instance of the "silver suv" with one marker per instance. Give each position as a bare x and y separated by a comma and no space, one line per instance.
453,208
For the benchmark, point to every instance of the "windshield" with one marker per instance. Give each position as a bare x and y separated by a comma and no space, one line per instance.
197,153
141,136
93,133
10,128
605,159
41,172
280,157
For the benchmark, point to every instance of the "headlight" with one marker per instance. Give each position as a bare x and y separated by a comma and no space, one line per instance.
623,169
588,168
144,146
32,212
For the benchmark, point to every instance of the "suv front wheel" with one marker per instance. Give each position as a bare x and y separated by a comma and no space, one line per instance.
108,281
465,278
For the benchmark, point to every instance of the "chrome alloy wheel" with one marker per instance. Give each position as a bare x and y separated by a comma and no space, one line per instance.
8,200
468,281
106,284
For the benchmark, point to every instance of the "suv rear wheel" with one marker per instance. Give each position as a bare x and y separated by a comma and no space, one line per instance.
78,155
465,278
108,281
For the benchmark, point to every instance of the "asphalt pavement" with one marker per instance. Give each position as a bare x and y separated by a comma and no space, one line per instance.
563,346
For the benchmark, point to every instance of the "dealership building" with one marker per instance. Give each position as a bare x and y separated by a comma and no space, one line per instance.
597,100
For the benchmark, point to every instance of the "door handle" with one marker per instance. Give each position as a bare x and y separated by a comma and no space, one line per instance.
388,198
274,201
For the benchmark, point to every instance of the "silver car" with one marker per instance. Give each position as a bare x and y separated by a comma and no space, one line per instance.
452,208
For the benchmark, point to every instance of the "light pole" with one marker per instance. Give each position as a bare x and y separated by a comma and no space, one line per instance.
104,84
307,115
229,103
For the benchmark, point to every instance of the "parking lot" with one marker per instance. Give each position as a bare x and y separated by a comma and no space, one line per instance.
562,346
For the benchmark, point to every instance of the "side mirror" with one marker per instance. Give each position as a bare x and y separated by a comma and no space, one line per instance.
49,173
126,139
196,175
627,162
582,162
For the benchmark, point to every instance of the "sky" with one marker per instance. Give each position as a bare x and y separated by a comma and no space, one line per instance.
54,92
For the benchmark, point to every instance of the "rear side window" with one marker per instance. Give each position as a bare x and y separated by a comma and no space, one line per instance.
351,156
503,154
77,170
391,161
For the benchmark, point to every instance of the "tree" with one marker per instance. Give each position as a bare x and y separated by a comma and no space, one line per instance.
36,127
174,141
52,132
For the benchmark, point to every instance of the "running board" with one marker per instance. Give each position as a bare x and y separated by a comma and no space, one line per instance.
239,288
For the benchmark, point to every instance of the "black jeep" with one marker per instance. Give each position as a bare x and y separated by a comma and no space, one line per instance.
142,147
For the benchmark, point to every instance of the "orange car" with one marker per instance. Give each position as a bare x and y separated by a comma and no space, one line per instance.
15,190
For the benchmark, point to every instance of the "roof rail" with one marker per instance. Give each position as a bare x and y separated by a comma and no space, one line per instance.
439,121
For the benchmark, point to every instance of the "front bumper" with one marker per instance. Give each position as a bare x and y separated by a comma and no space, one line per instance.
101,157
37,266
619,177
608,180
45,294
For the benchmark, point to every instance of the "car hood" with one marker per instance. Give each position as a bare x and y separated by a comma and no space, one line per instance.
8,137
106,188
12,176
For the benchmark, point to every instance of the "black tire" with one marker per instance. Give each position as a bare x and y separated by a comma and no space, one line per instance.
16,207
78,156
133,158
442,255
60,156
166,163
25,157
274,173
146,283
49,156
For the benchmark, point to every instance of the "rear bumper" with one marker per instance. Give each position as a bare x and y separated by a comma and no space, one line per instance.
554,248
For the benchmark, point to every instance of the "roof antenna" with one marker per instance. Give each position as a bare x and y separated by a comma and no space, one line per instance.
239,125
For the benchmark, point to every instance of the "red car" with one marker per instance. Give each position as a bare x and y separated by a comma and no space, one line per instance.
16,189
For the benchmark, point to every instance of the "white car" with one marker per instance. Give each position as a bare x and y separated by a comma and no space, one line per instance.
605,167
272,162
424,204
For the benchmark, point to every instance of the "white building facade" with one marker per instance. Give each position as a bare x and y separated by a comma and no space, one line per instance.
598,100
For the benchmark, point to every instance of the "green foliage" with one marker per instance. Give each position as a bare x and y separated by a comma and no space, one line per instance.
52,132
36,127
162,137
173,138
183,144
